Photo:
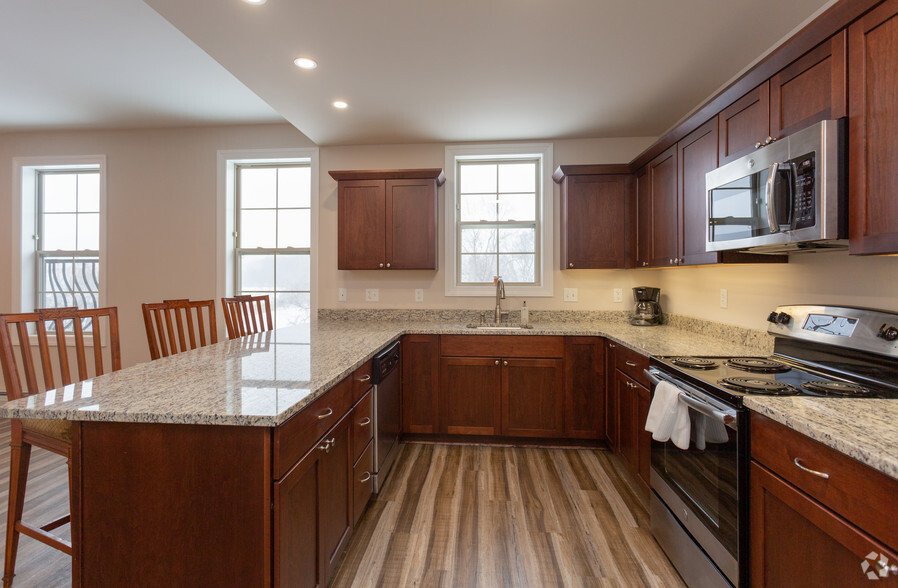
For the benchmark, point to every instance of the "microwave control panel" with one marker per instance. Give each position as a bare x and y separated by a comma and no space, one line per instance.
803,207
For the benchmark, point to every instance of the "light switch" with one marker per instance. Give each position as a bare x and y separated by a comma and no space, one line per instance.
570,295
372,294
618,294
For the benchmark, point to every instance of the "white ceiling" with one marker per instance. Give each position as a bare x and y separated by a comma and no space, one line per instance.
412,71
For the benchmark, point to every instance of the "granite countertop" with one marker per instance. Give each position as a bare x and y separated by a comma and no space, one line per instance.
264,379
864,429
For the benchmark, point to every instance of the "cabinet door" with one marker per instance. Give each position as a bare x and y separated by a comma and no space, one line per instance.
411,221
336,496
469,393
584,388
665,209
612,408
628,432
643,437
596,222
298,558
788,528
698,156
744,123
873,126
362,483
361,218
643,218
420,383
810,89
532,397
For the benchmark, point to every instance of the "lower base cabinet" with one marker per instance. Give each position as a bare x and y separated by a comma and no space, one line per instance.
629,404
313,508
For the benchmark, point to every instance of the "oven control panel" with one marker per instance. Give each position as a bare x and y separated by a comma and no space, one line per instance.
863,329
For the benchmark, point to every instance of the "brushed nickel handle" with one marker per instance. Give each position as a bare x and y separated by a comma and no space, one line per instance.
497,362
365,378
381,265
364,422
388,265
505,362
612,345
325,448
326,414
630,363
366,478
823,475
333,441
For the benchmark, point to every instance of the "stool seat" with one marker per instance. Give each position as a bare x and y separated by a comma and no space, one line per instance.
61,430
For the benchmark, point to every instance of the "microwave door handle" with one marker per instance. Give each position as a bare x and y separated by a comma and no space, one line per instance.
771,193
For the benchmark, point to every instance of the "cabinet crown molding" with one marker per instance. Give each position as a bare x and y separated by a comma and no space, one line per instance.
435,173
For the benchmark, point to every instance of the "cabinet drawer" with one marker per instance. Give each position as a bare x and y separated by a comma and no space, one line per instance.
361,380
362,424
362,483
632,363
859,493
295,437
501,346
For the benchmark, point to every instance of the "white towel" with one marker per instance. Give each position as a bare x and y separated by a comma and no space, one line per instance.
666,414
681,427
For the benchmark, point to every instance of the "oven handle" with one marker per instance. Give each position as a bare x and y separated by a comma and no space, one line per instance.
688,397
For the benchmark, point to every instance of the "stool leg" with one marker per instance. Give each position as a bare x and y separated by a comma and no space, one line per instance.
20,456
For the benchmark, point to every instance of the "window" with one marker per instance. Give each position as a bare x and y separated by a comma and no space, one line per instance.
67,234
59,242
501,219
273,237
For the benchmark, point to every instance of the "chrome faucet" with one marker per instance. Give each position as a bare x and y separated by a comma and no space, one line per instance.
500,295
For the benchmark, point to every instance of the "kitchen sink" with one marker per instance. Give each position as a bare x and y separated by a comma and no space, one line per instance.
489,327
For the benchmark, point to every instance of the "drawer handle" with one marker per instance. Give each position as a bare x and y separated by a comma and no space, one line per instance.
326,414
364,422
366,478
365,378
630,363
823,475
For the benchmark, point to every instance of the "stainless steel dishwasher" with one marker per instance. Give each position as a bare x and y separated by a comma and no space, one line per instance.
386,412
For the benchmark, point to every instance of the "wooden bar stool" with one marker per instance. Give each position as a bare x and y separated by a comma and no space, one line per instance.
55,436
245,315
174,326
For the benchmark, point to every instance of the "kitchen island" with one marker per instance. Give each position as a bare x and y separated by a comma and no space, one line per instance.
200,469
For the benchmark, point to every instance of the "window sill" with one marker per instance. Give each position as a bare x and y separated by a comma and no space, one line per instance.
510,291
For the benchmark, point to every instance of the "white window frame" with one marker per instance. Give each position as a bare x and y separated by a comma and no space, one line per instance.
24,211
226,221
545,222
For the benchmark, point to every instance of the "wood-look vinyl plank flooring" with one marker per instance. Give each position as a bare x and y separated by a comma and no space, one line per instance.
46,498
466,516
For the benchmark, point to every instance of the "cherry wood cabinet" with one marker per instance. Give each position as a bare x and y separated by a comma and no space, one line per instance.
387,219
662,180
420,383
632,401
744,123
810,89
697,154
597,215
643,218
873,128
798,515
612,410
469,391
584,388
532,397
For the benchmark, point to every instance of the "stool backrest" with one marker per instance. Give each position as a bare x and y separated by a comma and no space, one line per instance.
174,326
42,373
245,315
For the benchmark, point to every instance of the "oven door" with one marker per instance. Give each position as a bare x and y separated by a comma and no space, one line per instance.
702,486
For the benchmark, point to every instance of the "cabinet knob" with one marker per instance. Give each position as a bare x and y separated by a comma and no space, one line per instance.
571,264
381,265
612,345
671,261
644,263
505,362
497,362
388,265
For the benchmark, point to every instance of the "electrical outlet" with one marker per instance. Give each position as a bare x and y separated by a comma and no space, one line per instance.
419,295
570,295
372,294
618,294
341,295
723,298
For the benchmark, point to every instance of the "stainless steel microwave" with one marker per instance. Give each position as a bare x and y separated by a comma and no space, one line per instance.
785,197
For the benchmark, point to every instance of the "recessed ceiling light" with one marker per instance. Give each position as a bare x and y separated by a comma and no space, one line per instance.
340,104
256,2
305,63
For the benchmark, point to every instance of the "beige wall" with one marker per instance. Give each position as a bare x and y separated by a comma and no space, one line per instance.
161,189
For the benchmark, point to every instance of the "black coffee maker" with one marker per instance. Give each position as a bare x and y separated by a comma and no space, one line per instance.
648,307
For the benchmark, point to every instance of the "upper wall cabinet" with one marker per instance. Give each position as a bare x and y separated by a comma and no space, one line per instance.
873,131
597,209
643,218
744,123
662,179
387,218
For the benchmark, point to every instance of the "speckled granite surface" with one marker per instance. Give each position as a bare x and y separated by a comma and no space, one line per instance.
860,428
264,379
